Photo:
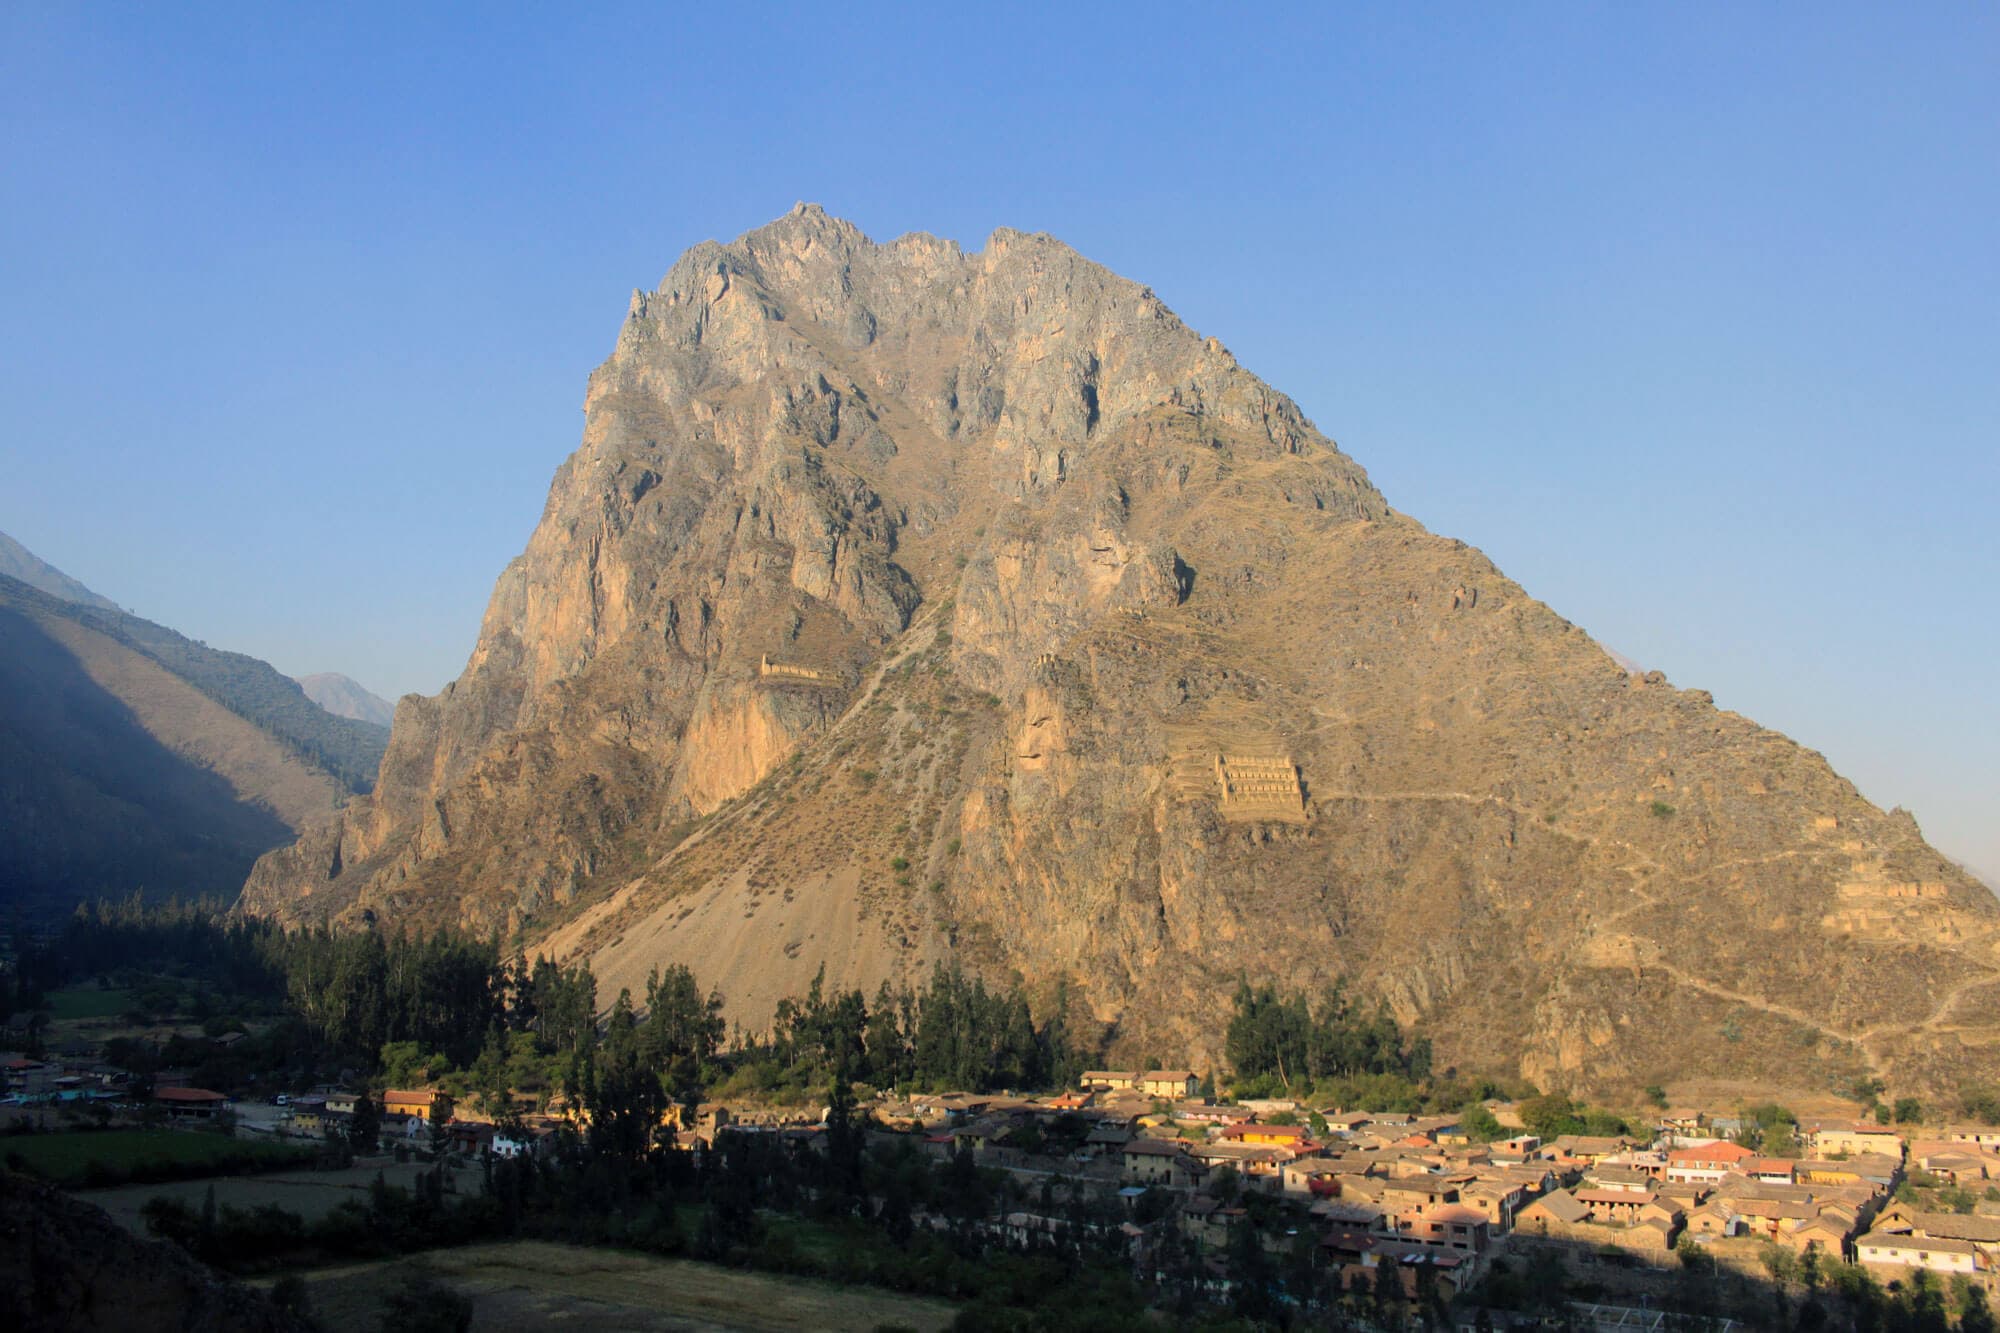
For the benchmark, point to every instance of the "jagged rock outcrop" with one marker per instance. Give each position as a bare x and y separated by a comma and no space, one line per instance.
1044,555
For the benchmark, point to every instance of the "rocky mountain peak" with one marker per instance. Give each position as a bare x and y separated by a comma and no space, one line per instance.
902,603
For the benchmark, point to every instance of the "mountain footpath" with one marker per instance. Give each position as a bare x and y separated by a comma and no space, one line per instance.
903,604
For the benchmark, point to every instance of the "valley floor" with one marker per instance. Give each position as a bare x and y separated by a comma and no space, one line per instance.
532,1285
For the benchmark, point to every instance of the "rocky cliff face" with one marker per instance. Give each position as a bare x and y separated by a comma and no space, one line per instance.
904,603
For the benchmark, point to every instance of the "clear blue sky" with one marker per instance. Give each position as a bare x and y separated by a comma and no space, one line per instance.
1689,317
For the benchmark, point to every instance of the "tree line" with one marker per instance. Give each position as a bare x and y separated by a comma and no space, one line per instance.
1299,1042
417,1006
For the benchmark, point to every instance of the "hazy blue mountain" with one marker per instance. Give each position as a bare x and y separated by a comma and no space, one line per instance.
344,696
132,757
18,562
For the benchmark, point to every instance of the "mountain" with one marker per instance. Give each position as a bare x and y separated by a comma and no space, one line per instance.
18,562
903,604
131,757
343,697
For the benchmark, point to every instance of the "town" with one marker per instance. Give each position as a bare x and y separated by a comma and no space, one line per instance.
1378,1209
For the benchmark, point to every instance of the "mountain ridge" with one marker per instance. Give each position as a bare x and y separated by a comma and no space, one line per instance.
343,696
18,562
904,604
134,758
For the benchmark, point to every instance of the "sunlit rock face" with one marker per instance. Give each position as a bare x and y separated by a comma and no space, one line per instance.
904,604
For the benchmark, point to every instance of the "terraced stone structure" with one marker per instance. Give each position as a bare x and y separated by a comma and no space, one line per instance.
794,672
1259,787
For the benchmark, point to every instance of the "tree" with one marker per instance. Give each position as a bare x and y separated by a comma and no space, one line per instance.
843,1140
1480,1124
623,1089
681,1022
365,1129
1974,1314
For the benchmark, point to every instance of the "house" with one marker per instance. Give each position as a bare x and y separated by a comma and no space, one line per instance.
469,1136
1588,1149
1889,1250
1106,1138
1682,1122
1825,1233
1207,1113
340,1102
1316,1176
190,1103
1955,1164
1276,1136
1449,1226
1415,1266
1850,1140
536,1142
1708,1162
1648,1229
1208,1222
1978,1136
1169,1083
1412,1192
31,1078
1158,1162
1870,1169
429,1104
1344,1243
1103,1080
1257,1166
1615,1207
306,1115
1499,1201
987,1134
1619,1178
1770,1170
1981,1231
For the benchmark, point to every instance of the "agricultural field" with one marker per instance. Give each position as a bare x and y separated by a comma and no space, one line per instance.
80,1002
310,1194
66,1158
533,1285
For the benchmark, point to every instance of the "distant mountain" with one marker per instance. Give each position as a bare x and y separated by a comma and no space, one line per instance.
344,697
132,757
18,562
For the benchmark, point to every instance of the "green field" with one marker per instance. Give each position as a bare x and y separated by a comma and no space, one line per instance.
66,1158
310,1194
82,1002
